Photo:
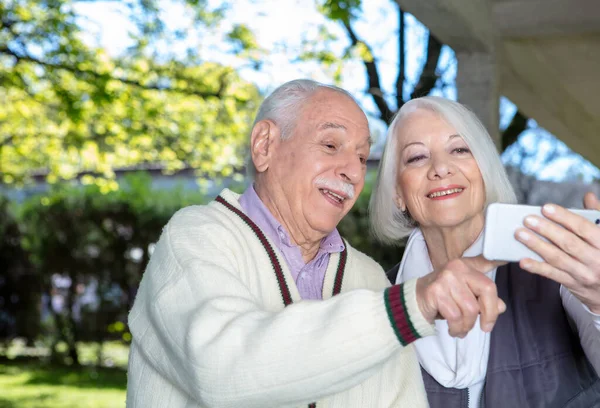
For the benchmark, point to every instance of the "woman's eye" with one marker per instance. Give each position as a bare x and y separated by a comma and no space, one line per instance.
363,160
462,150
415,158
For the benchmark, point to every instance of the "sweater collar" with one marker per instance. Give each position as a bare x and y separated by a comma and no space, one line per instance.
253,206
230,201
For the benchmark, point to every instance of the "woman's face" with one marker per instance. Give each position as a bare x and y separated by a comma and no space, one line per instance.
438,179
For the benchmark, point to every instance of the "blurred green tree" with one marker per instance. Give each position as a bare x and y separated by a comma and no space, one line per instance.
19,290
69,107
98,244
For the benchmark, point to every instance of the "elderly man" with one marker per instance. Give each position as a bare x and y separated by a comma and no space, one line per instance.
256,301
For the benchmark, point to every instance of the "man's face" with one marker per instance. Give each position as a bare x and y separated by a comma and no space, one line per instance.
438,178
315,176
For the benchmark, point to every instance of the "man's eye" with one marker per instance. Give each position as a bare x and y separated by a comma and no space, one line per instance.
363,160
330,146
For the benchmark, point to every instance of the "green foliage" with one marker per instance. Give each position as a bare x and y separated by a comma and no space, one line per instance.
320,48
363,52
340,10
19,314
69,107
243,36
101,239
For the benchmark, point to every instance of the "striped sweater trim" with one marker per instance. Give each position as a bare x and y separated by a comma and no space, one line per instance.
283,288
339,275
395,304
285,292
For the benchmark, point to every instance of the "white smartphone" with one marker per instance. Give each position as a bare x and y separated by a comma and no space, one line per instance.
501,222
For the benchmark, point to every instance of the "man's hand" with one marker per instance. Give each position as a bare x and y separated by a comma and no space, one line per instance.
572,255
458,293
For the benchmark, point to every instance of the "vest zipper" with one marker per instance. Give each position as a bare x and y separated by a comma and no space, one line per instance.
468,398
480,400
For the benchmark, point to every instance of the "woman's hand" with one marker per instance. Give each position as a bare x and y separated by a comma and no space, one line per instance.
572,257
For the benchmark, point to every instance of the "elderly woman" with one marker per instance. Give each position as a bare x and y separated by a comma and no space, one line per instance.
439,171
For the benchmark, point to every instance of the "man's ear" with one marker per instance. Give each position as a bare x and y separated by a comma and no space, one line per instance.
263,140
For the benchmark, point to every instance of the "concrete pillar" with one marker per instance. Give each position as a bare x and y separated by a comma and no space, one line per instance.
477,85
466,26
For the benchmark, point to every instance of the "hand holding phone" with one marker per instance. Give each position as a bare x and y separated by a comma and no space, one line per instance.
501,222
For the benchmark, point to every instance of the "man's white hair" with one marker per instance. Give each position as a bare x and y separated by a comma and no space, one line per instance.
388,223
284,105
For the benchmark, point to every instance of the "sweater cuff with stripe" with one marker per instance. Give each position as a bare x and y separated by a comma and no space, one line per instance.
404,313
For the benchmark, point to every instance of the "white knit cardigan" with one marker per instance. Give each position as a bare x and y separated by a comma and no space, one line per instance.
211,327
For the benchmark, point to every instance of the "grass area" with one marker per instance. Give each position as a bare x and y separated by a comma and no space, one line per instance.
28,383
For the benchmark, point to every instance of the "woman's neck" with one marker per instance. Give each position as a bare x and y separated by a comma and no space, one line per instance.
448,243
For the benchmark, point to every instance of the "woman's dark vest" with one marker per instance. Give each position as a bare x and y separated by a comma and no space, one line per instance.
536,359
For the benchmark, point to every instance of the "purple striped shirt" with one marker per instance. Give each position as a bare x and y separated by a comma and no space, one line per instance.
309,276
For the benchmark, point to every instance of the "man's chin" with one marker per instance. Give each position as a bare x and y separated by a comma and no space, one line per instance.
326,226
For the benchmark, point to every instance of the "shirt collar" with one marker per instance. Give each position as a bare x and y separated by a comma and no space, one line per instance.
262,217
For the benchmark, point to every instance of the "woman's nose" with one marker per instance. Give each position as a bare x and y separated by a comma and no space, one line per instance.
440,168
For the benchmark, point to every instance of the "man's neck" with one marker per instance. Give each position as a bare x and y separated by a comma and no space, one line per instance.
308,241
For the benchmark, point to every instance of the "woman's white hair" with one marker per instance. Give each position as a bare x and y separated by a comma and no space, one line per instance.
284,105
388,223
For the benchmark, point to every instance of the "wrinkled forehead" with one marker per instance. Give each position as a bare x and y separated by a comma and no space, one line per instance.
333,101
363,136
333,110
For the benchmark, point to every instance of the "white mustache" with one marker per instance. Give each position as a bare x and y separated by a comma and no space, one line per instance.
335,185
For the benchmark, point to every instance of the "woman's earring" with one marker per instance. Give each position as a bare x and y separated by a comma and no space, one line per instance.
400,204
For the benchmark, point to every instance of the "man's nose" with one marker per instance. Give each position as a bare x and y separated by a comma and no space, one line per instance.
351,169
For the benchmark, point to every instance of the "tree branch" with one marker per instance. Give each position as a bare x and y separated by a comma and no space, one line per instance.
373,76
517,125
97,75
6,141
428,76
401,58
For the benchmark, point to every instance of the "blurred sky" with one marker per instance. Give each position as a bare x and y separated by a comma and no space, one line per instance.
278,25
